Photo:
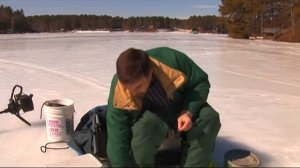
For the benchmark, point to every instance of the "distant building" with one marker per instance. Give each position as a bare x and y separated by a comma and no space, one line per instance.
271,32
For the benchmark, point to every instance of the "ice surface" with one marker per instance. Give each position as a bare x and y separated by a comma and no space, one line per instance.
255,88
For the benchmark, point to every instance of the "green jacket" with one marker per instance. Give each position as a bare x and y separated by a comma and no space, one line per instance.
184,82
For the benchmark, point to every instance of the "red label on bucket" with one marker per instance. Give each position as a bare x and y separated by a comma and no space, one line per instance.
54,123
55,132
55,128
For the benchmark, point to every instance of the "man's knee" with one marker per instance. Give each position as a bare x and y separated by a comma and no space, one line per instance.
208,121
214,119
148,131
148,134
209,113
148,125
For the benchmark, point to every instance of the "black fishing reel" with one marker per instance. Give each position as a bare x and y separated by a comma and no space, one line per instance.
19,102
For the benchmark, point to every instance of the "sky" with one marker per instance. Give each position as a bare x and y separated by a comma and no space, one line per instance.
125,8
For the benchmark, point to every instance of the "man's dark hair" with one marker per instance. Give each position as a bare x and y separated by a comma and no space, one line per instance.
132,64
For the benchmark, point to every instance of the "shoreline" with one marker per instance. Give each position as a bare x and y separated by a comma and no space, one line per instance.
87,32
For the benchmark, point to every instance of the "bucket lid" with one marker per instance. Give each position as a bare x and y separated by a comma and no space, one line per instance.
62,106
241,158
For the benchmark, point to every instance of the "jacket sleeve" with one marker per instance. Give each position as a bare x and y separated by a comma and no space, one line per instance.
119,133
197,85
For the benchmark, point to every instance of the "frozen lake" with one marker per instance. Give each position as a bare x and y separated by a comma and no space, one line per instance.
255,88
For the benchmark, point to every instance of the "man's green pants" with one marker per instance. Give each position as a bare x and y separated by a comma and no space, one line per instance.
151,130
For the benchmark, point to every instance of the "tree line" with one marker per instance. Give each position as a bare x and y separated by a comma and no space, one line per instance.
276,19
12,21
15,22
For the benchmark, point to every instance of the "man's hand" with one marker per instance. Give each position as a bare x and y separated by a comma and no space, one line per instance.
185,121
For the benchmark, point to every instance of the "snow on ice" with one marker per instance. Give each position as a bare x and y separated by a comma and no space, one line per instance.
255,88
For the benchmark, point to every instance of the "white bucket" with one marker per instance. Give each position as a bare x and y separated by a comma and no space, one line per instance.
59,119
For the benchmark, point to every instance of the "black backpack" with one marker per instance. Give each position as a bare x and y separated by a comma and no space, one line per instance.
90,135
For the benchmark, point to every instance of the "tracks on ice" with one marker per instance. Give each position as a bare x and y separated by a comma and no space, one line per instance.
105,87
255,77
75,77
